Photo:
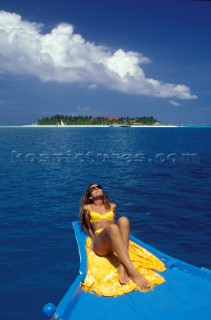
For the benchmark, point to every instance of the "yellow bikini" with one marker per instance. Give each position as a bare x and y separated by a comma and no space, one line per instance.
96,216
99,230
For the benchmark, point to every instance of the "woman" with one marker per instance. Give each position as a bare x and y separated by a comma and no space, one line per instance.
97,217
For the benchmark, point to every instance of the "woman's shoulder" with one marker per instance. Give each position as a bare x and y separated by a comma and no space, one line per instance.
113,205
86,210
86,207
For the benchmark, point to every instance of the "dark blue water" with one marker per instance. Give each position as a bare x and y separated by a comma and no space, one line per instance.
159,177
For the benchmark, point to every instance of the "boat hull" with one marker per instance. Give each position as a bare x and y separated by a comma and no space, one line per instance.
185,294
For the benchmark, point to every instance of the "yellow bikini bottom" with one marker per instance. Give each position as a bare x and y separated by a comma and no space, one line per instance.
102,275
99,230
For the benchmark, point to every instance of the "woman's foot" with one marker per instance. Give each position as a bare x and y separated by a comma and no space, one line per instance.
140,281
123,276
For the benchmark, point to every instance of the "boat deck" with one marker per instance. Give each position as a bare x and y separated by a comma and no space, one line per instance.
186,294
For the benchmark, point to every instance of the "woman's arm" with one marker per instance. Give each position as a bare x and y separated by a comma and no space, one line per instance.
87,218
113,206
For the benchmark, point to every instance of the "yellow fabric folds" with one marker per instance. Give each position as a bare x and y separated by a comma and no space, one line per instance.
102,275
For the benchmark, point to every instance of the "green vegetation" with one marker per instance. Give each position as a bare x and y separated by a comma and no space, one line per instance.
89,120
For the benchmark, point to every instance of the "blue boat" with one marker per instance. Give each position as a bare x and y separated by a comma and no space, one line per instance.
186,294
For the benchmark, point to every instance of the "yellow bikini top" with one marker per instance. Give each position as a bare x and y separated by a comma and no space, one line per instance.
96,216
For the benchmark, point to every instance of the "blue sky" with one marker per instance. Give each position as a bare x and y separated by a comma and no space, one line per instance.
105,58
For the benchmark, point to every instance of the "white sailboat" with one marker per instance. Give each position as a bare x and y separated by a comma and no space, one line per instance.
61,124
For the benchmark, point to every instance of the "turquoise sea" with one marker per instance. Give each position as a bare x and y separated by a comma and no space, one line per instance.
159,177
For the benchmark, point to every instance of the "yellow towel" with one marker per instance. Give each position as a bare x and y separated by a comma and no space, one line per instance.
102,275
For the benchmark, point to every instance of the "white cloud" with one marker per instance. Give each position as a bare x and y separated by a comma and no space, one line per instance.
175,103
65,56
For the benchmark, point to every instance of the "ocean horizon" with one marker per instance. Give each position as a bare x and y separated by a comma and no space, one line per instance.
107,126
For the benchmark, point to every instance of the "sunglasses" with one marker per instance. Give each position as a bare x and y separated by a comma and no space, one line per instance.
95,188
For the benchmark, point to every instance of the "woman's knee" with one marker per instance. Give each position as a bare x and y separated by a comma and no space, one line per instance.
124,222
113,229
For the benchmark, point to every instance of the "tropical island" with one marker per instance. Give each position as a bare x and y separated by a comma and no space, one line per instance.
92,121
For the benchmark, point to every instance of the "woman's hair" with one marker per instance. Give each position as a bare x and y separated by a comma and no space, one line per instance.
87,200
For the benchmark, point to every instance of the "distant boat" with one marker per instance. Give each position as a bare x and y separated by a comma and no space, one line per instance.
61,124
125,125
184,295
120,125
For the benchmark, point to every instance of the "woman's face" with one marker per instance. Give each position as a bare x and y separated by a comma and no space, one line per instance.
95,190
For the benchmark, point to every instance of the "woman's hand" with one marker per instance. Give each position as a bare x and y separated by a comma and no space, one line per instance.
92,246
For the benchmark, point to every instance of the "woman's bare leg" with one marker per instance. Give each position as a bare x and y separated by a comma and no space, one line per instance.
124,227
110,240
